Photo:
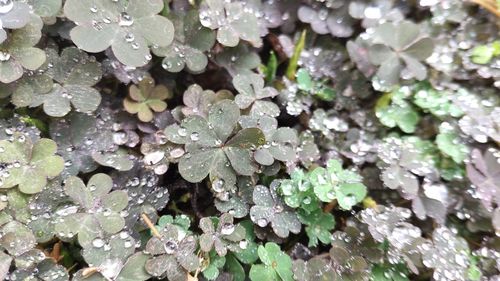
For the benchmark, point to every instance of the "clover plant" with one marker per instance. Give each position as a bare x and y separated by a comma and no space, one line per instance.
289,140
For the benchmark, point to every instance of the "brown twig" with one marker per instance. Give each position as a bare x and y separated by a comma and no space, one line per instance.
330,206
489,5
151,226
89,271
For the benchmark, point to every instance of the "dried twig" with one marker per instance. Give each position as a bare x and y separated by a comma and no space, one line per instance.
151,226
489,5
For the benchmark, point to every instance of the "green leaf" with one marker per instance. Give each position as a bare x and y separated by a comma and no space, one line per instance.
450,144
271,68
294,60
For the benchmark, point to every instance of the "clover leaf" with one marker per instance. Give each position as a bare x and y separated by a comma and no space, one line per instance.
191,40
450,144
79,135
390,272
146,98
298,191
238,60
483,54
276,265
318,226
394,42
128,27
232,20
17,52
213,269
28,164
96,212
251,94
133,269
198,101
270,209
238,203
281,143
75,73
222,235
212,148
449,255
333,182
172,254
13,15
315,88
16,238
484,172
393,110
337,21
46,9
439,103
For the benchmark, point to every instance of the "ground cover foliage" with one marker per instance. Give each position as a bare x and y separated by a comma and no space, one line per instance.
249,140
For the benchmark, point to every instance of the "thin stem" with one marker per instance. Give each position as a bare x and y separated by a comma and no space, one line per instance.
488,5
330,206
89,271
151,225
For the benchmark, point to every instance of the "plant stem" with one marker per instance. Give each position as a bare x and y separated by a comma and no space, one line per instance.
151,225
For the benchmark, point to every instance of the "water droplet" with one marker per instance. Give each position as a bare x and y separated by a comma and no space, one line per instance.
227,229
125,19
182,131
6,6
129,37
170,247
195,136
4,56
218,185
262,222
98,243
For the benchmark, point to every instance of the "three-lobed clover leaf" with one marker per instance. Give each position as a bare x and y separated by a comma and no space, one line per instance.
75,73
251,94
172,254
298,191
221,235
213,149
29,164
191,40
232,20
333,182
270,209
276,265
13,15
128,27
397,42
96,212
146,98
17,52
198,101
